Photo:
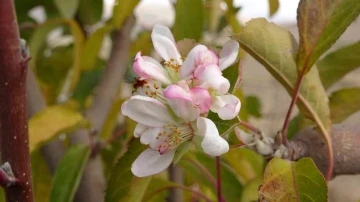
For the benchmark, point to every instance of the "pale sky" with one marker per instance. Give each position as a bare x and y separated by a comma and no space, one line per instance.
153,11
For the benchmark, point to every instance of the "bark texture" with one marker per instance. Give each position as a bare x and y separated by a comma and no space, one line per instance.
14,139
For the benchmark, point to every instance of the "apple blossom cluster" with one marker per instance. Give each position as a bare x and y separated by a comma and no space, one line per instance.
172,99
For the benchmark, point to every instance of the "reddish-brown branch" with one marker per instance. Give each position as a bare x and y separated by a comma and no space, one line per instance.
14,142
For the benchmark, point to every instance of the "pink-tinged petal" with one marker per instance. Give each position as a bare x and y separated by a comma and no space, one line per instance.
151,162
188,67
176,92
211,77
164,43
228,54
181,103
149,68
140,129
147,111
201,98
213,144
226,106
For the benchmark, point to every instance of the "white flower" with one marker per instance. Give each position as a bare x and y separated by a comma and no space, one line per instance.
164,133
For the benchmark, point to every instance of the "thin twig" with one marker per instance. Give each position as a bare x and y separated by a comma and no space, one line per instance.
239,78
249,126
218,178
237,145
178,187
291,107
203,170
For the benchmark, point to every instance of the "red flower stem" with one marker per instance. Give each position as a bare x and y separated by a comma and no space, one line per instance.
178,186
218,178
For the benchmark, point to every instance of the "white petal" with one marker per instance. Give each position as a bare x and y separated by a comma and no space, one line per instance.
151,162
212,144
140,129
164,43
147,111
149,135
188,67
155,70
227,106
228,54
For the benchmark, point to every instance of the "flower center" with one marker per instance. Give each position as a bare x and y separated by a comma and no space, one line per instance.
172,136
149,88
173,67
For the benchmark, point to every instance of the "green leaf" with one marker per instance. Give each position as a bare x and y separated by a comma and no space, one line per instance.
321,22
37,42
41,177
90,11
122,10
79,40
67,8
273,6
188,19
68,174
344,103
92,47
250,192
51,71
181,150
121,178
111,119
287,181
156,184
53,121
276,49
137,189
87,82
338,63
246,163
253,106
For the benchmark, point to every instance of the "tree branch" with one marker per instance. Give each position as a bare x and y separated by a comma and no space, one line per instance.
346,141
176,176
92,185
310,143
14,139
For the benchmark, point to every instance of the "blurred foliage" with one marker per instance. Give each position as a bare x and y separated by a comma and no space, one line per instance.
53,121
69,51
